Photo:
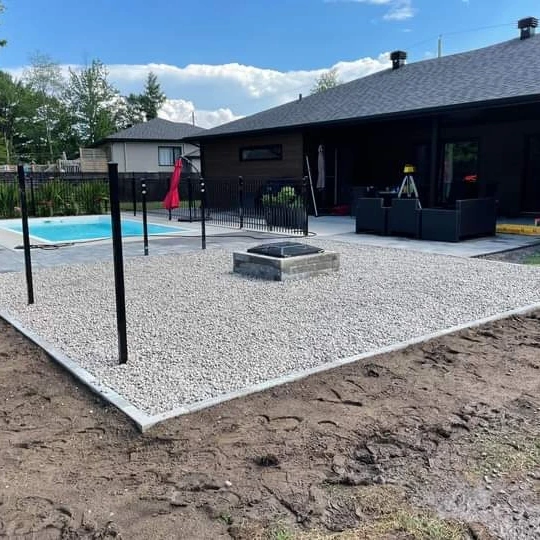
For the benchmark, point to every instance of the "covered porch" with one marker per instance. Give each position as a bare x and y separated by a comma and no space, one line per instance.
463,154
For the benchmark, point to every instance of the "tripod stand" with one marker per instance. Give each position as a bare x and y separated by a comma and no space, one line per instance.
408,186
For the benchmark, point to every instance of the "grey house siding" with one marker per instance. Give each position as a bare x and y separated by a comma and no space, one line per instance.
222,157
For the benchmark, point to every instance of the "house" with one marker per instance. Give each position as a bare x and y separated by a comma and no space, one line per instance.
153,147
468,123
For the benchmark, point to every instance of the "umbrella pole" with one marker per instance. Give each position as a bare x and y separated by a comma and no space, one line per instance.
311,186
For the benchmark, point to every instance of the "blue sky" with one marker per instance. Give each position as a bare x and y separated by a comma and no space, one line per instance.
229,58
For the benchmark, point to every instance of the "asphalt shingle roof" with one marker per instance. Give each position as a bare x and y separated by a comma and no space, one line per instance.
157,129
503,71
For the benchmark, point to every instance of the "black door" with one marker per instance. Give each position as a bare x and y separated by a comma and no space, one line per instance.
531,189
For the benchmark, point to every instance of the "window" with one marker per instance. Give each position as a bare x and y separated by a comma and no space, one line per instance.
261,153
167,155
460,171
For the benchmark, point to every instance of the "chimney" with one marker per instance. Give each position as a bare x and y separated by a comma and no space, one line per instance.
299,97
398,59
527,27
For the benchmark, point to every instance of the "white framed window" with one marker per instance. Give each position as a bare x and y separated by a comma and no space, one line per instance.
168,155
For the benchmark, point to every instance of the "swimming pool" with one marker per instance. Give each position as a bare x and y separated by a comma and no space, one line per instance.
83,228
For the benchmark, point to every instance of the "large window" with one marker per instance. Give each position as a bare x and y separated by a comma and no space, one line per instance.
261,153
460,171
167,155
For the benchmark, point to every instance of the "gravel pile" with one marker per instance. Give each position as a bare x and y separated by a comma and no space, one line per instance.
196,330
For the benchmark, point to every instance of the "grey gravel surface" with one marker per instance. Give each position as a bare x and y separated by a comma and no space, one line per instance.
197,331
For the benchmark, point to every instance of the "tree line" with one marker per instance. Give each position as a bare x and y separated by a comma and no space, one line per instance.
45,114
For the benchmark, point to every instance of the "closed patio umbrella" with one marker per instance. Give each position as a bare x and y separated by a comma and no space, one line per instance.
321,173
172,199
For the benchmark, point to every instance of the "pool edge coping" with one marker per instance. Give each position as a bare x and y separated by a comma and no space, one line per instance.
145,421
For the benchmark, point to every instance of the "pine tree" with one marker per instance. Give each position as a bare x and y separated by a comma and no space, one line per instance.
152,98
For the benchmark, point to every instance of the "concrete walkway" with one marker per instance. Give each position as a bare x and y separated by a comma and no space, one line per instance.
338,227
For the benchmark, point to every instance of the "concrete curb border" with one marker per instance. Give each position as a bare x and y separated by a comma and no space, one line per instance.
145,421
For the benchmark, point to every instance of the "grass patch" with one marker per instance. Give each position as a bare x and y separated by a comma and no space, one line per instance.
408,524
507,456
533,259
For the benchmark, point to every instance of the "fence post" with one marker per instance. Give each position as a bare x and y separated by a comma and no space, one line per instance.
190,199
134,194
26,234
144,216
118,263
305,205
32,197
203,210
241,199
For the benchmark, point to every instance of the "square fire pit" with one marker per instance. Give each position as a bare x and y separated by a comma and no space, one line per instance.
282,261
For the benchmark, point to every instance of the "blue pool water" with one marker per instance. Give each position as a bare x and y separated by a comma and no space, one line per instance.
79,229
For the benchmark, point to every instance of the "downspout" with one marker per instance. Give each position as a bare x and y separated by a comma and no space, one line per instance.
125,158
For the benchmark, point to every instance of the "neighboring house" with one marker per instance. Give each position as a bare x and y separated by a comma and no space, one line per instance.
153,147
468,122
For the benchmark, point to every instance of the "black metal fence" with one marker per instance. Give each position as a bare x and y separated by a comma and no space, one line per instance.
59,195
264,204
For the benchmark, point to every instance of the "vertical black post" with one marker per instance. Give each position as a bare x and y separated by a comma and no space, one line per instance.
32,198
434,162
118,263
190,199
144,217
26,235
241,200
203,213
304,203
134,194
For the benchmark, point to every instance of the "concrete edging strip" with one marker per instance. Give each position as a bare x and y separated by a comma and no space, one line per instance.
145,421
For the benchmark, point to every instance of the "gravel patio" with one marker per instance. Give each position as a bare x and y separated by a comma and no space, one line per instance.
197,331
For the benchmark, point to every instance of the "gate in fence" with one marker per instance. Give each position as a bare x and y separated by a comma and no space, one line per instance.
277,205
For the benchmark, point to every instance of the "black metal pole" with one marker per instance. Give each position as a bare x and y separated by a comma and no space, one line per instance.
241,200
190,199
32,198
26,235
144,217
305,205
118,263
134,195
203,211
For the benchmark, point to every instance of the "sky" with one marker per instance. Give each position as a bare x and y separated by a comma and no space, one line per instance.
224,59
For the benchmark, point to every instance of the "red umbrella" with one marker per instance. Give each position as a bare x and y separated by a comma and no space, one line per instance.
172,199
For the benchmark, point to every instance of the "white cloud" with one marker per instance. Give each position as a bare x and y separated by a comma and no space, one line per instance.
180,110
399,10
221,93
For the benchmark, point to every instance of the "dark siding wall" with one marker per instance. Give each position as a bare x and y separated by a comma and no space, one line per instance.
221,157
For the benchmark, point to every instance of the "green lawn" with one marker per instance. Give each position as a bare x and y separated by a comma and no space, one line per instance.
533,259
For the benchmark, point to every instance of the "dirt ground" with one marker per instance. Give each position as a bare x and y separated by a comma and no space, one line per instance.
438,441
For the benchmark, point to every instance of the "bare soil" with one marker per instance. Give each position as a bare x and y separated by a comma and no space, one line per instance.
438,441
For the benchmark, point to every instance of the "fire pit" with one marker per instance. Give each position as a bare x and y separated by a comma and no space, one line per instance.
282,261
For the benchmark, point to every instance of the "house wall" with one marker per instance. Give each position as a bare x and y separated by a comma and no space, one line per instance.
222,157
143,156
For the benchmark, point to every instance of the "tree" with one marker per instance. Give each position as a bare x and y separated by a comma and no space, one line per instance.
12,100
152,98
145,106
93,101
44,79
3,42
326,81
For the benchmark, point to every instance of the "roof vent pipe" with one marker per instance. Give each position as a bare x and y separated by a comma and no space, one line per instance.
398,59
527,27
299,97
